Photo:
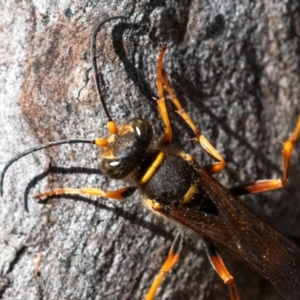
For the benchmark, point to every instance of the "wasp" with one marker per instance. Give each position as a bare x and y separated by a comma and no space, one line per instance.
175,186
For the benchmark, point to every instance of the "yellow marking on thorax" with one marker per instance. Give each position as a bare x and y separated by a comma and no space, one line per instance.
189,194
153,168
186,156
154,205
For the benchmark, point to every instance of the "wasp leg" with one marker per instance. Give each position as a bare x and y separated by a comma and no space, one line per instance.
219,266
170,262
272,184
117,195
206,145
161,102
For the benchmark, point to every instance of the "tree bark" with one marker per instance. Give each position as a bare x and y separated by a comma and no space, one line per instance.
235,67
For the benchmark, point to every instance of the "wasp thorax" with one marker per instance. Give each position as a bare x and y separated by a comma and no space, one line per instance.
126,148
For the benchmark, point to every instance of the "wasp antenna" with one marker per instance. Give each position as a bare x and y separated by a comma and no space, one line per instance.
38,148
94,62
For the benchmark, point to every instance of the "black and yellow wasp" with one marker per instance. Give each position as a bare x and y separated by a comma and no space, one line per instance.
174,185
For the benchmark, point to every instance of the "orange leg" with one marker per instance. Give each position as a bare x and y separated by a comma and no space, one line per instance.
272,184
161,102
118,194
219,266
162,82
170,262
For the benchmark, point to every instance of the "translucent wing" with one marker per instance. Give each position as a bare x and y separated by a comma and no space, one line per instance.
244,235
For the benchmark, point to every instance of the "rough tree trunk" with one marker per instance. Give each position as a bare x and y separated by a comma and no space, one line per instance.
235,67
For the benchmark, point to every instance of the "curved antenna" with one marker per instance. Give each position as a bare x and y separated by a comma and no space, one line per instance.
37,148
98,142
94,62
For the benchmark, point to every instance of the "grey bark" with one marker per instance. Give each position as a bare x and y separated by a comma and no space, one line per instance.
235,67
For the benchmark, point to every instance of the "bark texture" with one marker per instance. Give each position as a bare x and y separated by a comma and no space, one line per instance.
235,67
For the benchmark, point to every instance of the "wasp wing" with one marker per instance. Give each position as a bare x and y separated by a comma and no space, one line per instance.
244,235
